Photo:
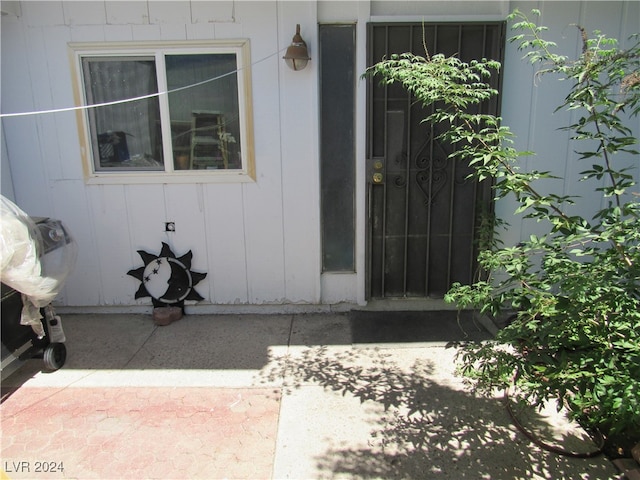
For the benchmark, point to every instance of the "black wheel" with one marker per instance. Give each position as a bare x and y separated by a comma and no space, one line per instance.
54,356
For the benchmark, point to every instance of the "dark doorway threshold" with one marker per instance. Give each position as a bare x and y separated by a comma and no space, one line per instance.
415,326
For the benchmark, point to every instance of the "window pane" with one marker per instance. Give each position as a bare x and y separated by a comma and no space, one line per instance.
337,147
205,126
125,136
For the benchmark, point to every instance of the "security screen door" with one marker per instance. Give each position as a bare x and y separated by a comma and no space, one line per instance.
423,212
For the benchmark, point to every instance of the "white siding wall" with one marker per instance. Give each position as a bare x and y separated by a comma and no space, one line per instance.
529,104
258,242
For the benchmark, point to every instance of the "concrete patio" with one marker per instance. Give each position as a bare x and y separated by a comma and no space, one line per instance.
298,396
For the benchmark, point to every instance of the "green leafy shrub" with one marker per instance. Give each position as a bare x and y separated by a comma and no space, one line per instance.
575,290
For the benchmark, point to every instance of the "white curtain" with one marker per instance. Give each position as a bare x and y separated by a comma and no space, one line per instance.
108,80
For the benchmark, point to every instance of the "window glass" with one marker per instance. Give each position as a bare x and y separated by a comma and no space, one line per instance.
337,147
176,112
204,111
123,135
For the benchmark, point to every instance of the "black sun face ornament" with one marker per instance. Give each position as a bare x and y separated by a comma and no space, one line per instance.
168,280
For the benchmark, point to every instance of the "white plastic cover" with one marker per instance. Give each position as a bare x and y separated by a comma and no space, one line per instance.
34,265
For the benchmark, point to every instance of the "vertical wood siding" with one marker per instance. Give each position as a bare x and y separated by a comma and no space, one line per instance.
258,242
529,103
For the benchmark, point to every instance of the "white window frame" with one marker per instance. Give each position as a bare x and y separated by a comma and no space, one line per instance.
240,47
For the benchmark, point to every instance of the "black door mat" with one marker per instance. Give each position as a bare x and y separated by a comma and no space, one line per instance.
415,326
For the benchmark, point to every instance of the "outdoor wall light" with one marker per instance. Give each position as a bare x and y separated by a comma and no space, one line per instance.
297,55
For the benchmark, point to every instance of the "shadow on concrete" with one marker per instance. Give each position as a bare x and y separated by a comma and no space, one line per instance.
203,342
195,342
241,342
430,429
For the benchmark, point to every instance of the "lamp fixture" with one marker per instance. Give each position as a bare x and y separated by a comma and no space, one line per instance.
297,55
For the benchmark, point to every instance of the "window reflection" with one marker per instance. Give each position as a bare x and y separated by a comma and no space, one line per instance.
205,127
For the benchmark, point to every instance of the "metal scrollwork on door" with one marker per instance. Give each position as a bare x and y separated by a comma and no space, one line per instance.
431,175
400,179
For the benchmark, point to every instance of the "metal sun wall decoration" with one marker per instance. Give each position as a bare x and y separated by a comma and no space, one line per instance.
167,279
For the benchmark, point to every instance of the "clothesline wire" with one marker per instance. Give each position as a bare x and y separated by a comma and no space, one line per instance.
135,99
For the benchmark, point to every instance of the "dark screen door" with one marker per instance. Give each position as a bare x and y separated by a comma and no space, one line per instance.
423,212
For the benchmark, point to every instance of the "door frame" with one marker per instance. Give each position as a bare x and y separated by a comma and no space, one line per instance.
369,156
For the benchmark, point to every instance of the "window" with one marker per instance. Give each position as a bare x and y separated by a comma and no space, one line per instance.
337,146
166,112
